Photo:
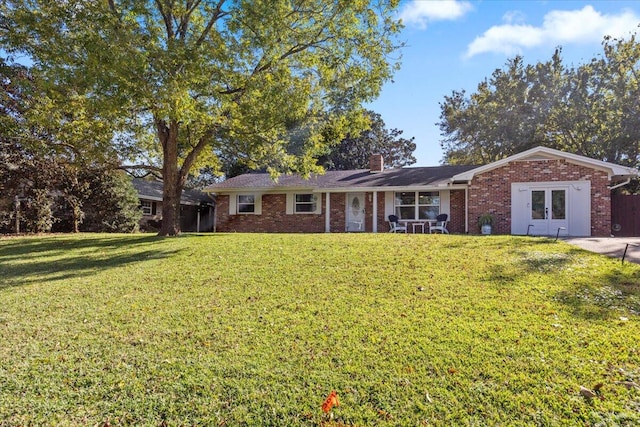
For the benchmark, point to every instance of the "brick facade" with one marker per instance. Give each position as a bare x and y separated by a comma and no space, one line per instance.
490,192
457,209
274,218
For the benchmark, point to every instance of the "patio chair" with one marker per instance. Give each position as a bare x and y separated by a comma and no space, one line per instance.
394,225
441,224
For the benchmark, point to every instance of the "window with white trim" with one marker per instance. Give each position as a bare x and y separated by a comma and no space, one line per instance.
246,203
306,203
412,205
147,207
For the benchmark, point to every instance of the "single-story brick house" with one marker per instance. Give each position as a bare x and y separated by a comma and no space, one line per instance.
196,207
540,191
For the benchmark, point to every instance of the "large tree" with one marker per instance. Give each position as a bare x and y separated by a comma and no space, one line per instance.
591,109
354,151
179,80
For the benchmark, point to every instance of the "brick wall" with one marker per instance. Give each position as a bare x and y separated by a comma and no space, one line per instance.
273,219
491,192
456,218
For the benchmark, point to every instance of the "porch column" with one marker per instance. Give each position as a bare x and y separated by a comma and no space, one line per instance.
375,212
327,213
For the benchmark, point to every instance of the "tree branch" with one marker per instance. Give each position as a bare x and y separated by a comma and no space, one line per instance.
217,14
193,154
167,20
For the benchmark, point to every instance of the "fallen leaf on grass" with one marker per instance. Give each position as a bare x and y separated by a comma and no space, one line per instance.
384,414
590,394
452,370
330,402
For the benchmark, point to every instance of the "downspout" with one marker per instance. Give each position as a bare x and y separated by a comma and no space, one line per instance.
620,185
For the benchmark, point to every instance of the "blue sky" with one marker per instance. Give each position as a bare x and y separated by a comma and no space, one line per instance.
454,45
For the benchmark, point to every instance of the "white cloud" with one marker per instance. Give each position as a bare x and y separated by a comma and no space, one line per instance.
420,13
558,27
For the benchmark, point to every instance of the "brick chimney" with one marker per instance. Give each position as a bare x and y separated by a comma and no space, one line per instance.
376,163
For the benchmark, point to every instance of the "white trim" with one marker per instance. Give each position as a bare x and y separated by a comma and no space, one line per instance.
443,203
327,214
381,189
611,168
291,203
375,212
257,204
389,204
443,187
143,207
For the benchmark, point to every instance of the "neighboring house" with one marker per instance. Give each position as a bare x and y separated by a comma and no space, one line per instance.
538,192
196,207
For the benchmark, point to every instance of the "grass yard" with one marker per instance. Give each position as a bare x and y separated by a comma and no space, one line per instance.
257,329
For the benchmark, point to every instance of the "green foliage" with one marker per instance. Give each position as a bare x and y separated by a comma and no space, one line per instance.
58,196
36,212
353,152
257,329
590,110
186,79
112,204
485,219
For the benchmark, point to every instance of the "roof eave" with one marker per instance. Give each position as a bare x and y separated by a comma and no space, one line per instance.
611,168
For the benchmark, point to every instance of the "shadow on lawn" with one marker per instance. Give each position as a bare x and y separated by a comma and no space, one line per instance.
603,295
610,290
27,261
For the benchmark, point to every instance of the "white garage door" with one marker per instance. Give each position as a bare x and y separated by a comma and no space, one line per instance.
550,208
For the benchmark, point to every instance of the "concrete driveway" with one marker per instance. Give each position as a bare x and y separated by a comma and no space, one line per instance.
610,246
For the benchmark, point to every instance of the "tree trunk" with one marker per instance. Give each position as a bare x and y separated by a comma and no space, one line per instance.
172,182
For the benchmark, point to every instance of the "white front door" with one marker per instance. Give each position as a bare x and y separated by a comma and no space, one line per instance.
548,211
355,212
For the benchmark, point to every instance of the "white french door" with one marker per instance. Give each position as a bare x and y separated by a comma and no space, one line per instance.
548,213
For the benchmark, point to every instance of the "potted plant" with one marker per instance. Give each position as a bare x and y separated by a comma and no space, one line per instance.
485,222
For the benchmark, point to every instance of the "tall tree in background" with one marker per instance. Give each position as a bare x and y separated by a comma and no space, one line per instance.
509,113
353,152
179,79
590,110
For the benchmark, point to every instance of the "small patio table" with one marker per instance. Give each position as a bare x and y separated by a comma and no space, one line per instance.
415,223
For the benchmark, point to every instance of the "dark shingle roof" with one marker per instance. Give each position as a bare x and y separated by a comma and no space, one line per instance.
402,177
152,190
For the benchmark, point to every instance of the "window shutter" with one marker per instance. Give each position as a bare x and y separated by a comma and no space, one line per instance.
258,204
153,208
232,204
318,197
291,197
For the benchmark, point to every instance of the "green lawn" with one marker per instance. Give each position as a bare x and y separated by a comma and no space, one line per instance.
257,329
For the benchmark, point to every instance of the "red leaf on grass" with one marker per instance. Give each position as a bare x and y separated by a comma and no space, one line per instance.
331,401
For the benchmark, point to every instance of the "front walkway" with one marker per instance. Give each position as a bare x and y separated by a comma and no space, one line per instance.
610,246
